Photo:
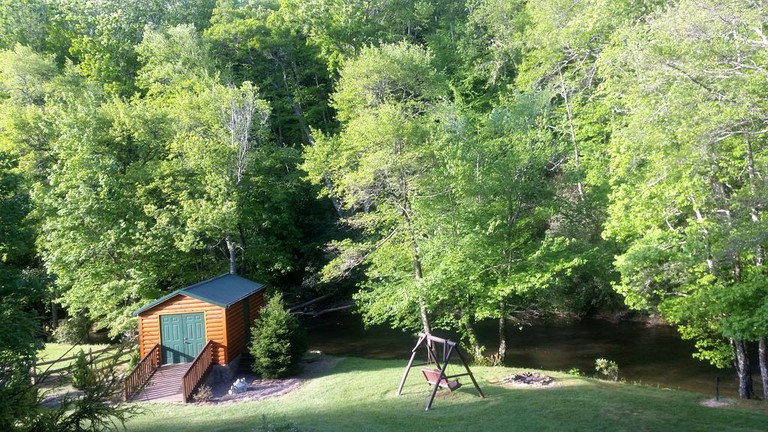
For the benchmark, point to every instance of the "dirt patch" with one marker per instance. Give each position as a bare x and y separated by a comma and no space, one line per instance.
528,379
712,403
259,388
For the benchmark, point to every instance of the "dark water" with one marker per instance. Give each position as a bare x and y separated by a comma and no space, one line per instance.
652,355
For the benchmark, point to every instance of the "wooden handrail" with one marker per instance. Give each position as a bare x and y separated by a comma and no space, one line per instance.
197,371
141,373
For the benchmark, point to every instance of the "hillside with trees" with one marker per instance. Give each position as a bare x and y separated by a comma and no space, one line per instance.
442,162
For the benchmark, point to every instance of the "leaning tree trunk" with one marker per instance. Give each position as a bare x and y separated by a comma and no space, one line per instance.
759,255
763,367
418,275
299,113
743,369
424,317
477,350
574,141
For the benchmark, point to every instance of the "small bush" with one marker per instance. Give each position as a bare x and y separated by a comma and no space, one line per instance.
203,394
277,341
73,330
83,375
608,368
493,360
574,372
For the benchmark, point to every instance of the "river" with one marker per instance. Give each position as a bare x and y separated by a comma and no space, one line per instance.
648,354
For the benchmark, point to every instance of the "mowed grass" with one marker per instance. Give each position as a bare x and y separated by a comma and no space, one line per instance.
360,395
55,351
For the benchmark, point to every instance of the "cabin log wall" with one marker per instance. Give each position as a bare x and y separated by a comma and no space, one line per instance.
215,324
256,303
236,329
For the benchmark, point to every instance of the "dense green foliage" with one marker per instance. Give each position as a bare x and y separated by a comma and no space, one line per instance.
97,407
278,342
484,158
73,330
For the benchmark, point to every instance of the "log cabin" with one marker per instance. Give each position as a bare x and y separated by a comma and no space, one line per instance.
221,310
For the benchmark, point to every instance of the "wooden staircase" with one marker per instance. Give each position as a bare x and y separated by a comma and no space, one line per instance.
164,385
167,383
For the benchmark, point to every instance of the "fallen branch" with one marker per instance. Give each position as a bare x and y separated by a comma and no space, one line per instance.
305,304
325,311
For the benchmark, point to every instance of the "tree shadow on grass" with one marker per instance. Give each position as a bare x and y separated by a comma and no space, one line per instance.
360,395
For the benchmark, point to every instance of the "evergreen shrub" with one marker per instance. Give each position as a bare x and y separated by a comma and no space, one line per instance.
83,376
278,341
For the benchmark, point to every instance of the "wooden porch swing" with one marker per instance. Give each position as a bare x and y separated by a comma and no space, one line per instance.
436,376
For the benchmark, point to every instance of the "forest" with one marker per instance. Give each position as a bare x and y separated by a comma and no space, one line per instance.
442,162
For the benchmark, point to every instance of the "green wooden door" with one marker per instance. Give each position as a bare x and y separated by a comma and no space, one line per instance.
182,337
194,334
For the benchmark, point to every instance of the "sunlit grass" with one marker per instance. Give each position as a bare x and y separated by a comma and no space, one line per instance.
360,395
54,351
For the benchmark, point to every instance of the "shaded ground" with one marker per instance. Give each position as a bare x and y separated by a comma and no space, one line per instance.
361,395
259,388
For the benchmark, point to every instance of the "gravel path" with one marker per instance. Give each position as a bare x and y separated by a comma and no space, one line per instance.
259,389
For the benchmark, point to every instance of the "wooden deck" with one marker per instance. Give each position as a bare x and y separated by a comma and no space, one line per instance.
164,385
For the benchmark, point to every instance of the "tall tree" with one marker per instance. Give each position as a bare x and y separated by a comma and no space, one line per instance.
686,159
264,44
378,166
240,192
25,138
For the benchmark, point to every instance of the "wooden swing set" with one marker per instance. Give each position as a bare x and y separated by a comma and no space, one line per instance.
435,375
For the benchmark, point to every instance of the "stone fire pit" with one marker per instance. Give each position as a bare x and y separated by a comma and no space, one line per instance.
528,379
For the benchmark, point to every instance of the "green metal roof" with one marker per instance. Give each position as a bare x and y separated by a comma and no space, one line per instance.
223,291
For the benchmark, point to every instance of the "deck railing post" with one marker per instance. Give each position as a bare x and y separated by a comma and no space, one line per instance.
197,371
141,373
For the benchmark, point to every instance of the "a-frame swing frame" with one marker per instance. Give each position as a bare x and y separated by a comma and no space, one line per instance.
449,347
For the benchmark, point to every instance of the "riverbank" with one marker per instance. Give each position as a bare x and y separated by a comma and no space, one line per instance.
360,395
654,355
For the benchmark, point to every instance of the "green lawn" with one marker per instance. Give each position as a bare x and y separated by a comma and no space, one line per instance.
53,351
359,395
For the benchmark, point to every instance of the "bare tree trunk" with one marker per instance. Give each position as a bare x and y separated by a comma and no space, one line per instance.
54,315
232,250
707,246
502,333
299,113
502,340
569,115
477,350
424,317
743,369
243,248
418,273
755,207
419,276
761,358
54,310
239,122
759,256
